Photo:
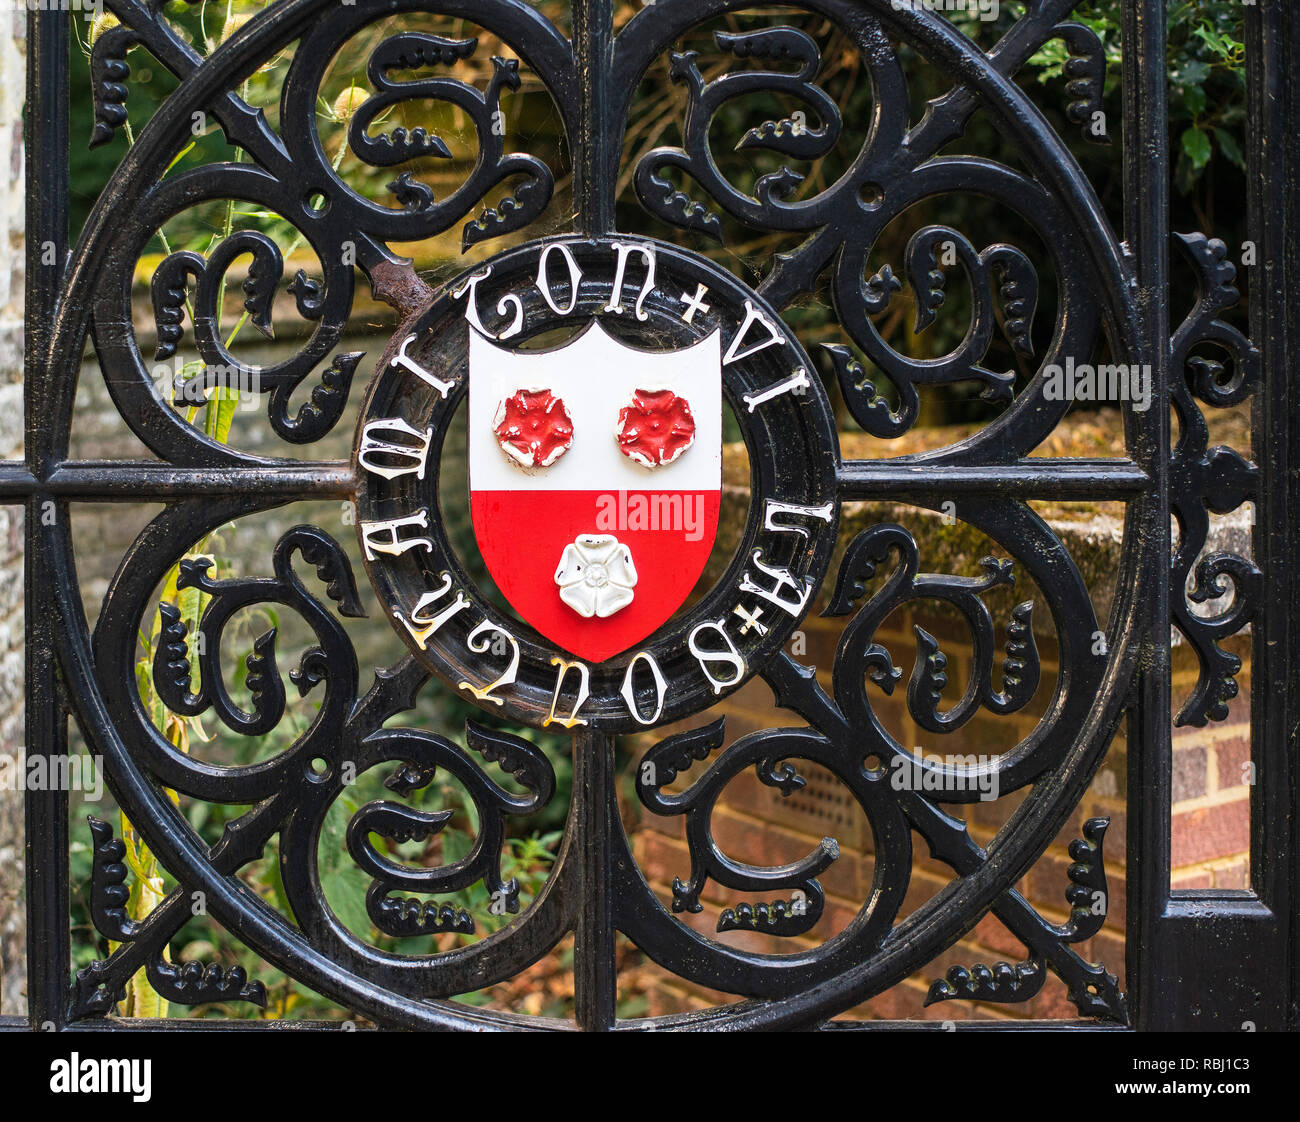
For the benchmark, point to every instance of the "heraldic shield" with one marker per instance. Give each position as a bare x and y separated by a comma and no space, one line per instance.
595,482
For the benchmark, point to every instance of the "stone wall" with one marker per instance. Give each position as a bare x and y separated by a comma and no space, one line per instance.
12,926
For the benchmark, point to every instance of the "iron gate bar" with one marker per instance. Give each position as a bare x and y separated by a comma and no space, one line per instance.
595,816
1273,62
46,812
1227,956
586,890
128,481
1062,480
1146,227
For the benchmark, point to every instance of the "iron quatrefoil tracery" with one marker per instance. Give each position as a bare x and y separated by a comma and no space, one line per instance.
596,888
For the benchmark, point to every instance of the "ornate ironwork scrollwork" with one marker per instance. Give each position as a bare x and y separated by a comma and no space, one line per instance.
101,985
284,800
1205,479
1094,991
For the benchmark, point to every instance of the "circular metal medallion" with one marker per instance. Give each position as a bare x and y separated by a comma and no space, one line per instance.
597,376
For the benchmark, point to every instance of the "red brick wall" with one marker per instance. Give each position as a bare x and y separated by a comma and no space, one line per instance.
1210,826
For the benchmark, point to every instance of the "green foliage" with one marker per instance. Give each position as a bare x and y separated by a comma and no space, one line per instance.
1205,60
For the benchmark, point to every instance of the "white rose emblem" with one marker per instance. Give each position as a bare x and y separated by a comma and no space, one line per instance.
596,575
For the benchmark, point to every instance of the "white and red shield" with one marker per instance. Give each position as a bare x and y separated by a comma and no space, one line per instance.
595,482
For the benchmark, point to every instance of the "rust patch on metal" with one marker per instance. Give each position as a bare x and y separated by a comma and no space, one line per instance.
397,284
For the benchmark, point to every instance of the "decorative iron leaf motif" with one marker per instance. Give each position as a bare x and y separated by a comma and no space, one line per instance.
306,294
408,916
108,891
197,983
1021,669
109,73
512,212
420,753
1086,893
999,271
795,916
322,411
1086,69
1000,982
415,51
220,369
661,198
168,289
411,193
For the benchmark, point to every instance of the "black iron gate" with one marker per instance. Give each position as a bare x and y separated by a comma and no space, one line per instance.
1221,960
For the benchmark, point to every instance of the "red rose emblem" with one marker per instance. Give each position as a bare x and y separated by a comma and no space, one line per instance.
656,428
533,427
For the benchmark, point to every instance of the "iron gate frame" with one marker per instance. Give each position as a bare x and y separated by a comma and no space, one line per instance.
1194,959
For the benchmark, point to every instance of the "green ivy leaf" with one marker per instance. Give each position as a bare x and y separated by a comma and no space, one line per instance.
221,412
1230,148
1196,145
343,882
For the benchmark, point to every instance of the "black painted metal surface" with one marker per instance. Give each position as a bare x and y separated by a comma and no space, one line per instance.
1106,284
